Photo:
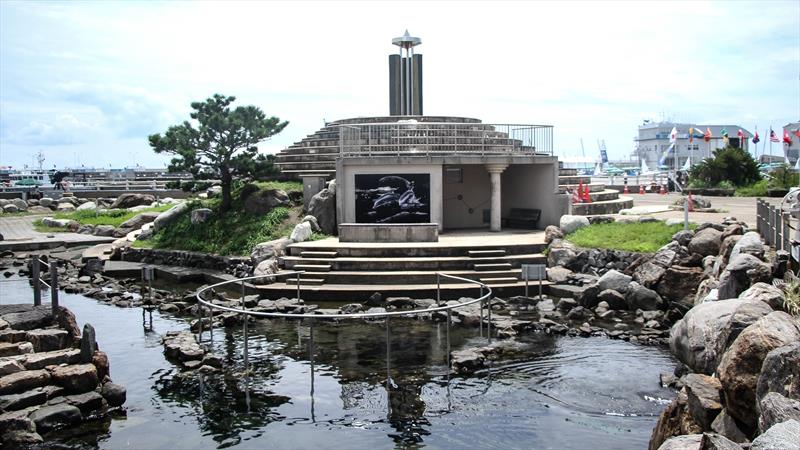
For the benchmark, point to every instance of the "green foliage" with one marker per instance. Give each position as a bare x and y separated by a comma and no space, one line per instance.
732,165
288,186
220,140
783,177
791,302
113,217
638,237
757,189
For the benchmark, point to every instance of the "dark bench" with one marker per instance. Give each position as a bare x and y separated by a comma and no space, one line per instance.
522,218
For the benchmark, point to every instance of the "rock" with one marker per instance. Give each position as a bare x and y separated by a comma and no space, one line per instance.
77,378
558,274
103,230
614,299
551,233
301,233
743,271
684,442
726,249
703,397
545,306
48,340
726,426
201,215
766,293
45,201
775,408
56,416
38,210
269,250
23,381
88,206
323,207
679,284
182,346
376,299
9,366
562,253
130,200
65,207
86,402
21,204
750,243
262,202
706,242
780,372
712,441
570,224
683,237
351,308
59,223
115,394
100,361
701,337
639,297
36,361
10,209
167,217
214,191
23,400
783,436
21,438
313,222
615,281
88,343
565,304
264,269
740,366
588,296
139,220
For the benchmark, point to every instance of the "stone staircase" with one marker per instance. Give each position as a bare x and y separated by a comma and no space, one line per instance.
604,201
353,272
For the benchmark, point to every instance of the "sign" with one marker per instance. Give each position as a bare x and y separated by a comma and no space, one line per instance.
536,272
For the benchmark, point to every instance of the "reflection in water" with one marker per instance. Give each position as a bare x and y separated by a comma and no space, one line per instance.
564,393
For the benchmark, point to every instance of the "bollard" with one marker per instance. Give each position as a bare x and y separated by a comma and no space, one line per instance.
37,286
54,285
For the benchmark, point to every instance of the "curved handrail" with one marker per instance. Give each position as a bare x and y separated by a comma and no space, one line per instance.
201,300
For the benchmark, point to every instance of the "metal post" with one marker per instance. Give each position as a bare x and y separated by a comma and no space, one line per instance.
686,214
54,285
388,355
489,324
448,340
37,286
199,322
244,331
480,323
311,358
298,286
786,233
211,324
438,289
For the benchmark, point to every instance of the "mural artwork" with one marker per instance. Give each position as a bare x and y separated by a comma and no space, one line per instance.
401,198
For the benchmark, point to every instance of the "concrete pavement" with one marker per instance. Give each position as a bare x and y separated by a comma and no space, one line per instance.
19,234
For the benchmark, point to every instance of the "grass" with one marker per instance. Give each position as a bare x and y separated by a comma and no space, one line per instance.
637,237
288,186
113,217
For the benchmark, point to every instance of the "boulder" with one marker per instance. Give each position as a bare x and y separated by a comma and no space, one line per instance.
139,220
780,372
65,207
614,299
683,442
56,416
562,253
726,249
703,397
701,337
88,206
558,274
615,281
313,222
749,243
130,200
77,378
46,202
706,242
783,436
200,215
48,340
264,269
22,381
743,271
301,233
570,224
323,207
269,250
551,233
169,216
713,441
725,425
766,293
262,202
21,204
683,237
114,394
679,284
775,408
88,343
740,366
103,230
639,297
10,209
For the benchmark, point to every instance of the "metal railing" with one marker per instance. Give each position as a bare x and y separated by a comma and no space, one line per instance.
485,294
776,225
36,279
411,138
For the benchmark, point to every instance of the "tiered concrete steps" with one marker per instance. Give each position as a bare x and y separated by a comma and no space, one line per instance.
604,201
353,271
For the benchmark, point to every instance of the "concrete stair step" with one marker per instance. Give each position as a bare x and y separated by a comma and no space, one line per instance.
410,263
499,280
313,267
483,253
407,277
312,254
305,281
488,267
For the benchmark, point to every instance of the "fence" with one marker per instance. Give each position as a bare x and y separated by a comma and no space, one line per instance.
776,227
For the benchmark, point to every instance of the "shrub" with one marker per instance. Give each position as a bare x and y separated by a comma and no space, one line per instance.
757,189
730,164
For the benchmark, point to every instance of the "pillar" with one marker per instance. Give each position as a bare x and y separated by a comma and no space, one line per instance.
494,173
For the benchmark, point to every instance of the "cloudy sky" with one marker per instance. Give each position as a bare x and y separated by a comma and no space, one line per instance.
86,83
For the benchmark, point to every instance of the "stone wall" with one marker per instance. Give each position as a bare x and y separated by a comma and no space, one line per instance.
239,266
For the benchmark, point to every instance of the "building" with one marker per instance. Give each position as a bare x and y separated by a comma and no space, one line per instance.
451,172
792,151
654,140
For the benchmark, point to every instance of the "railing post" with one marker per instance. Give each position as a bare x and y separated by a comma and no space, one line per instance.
438,289
54,285
199,321
448,341
244,331
298,286
489,323
786,233
37,286
776,221
480,323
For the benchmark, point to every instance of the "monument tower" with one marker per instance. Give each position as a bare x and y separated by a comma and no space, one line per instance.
405,78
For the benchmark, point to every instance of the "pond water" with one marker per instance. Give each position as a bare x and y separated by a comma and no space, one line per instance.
567,392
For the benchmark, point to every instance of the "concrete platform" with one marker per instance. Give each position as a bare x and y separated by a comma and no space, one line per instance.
19,235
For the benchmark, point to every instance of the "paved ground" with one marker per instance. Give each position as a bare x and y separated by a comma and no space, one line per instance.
743,208
19,234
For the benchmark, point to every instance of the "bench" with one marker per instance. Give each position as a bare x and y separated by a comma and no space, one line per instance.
522,218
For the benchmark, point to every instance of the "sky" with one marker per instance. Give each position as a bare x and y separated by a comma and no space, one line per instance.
86,83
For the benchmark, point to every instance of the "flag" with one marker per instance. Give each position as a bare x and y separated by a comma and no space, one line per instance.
772,136
796,132
691,135
786,139
695,133
740,133
707,135
756,139
673,135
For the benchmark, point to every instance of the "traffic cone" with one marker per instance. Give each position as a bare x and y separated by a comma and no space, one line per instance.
580,190
641,189
576,198
586,197
625,191
663,190
691,207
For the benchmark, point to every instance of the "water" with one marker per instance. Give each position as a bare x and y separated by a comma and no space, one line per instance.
566,393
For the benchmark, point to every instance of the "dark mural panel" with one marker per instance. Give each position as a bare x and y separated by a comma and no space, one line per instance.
400,198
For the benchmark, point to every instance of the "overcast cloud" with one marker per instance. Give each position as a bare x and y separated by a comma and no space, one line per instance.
85,83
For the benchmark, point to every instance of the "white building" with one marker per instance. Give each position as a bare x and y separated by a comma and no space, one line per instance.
793,149
653,141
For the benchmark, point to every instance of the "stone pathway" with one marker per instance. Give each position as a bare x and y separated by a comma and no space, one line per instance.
19,234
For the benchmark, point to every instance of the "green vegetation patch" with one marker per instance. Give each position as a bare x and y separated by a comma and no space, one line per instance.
638,237
113,217
235,233
288,186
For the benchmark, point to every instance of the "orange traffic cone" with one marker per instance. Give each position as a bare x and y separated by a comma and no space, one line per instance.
576,198
663,190
691,207
625,191
586,197
641,189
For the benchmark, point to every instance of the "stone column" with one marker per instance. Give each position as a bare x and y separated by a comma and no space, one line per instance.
494,173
